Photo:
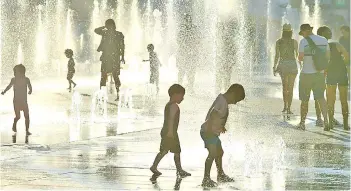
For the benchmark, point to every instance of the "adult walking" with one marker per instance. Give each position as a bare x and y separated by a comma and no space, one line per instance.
112,48
312,76
336,77
285,64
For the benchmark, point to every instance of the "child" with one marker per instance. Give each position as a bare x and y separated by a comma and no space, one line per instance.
169,136
154,66
214,125
20,83
71,70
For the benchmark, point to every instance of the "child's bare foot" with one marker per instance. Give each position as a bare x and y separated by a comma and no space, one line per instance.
183,173
28,133
155,171
74,85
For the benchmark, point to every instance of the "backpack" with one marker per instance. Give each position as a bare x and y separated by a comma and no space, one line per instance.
319,57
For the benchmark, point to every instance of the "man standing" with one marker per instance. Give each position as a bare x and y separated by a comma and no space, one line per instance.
310,77
188,41
112,48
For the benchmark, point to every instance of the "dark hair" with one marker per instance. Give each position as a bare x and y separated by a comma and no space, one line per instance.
19,69
150,47
322,31
110,22
287,34
345,28
69,52
238,89
176,89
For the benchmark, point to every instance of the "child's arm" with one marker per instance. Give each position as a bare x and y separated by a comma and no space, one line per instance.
172,112
29,86
8,87
215,114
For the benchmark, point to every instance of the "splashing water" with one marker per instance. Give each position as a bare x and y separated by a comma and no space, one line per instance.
20,58
279,156
68,36
126,98
317,14
99,105
41,49
305,11
0,42
253,159
75,119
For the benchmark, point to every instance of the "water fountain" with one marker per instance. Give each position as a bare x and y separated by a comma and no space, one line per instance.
316,15
99,105
148,23
41,48
135,31
69,41
0,42
305,11
20,58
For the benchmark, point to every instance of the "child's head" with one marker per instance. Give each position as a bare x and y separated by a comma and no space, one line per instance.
150,47
236,93
176,92
19,70
325,32
69,53
110,24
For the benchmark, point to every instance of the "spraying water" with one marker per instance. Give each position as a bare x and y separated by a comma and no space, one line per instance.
69,42
20,58
305,11
317,14
0,42
41,49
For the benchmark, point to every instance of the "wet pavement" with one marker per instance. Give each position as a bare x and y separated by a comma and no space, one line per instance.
73,148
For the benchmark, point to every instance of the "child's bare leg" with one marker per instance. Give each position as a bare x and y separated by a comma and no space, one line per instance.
17,117
26,116
180,170
221,176
157,160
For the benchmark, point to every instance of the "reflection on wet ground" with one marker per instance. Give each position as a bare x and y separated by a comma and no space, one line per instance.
263,148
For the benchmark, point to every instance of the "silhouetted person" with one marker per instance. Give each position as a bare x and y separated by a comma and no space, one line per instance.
154,66
214,125
336,77
169,135
20,84
286,52
71,70
112,48
187,52
310,77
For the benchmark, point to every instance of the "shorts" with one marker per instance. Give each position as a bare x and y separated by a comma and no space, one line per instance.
338,79
210,139
314,82
287,67
170,144
70,75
